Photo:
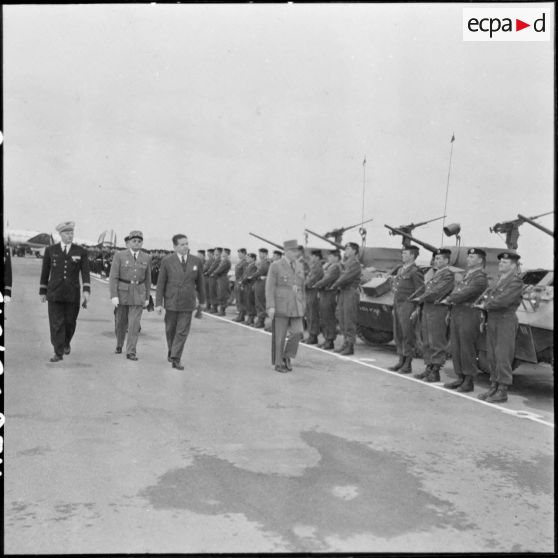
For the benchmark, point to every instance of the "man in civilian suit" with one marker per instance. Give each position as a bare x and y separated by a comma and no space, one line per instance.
180,281
62,265
285,301
130,286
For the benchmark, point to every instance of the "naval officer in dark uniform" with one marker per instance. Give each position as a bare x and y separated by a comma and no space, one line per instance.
62,265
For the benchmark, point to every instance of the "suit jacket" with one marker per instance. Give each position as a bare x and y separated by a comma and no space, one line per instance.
280,288
60,273
130,280
177,288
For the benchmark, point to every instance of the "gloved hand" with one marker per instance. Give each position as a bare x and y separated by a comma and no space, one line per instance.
114,300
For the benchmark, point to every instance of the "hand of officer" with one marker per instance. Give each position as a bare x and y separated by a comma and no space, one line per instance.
414,316
86,297
43,298
145,303
159,310
271,313
114,300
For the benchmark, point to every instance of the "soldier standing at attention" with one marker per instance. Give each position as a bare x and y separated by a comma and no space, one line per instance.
500,303
328,299
62,265
247,283
408,280
259,287
213,299
206,267
223,286
277,255
301,257
238,291
315,273
201,257
348,284
130,286
465,321
284,295
434,321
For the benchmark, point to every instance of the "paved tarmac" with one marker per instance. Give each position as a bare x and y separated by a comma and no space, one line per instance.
106,455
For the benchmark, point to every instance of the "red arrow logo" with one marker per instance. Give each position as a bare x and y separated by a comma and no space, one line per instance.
519,25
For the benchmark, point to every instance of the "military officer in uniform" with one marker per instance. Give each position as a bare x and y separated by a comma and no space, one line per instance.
328,300
465,321
130,287
285,300
315,273
301,257
212,280
62,265
221,273
347,303
201,257
408,280
434,321
259,286
500,303
238,290
206,266
247,285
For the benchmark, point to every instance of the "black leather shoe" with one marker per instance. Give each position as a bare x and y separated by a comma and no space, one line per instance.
281,368
259,325
341,349
311,340
467,385
67,350
455,384
287,363
131,357
348,350
118,351
198,314
56,358
177,365
423,374
434,375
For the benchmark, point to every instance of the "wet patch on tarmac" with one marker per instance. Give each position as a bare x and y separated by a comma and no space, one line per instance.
69,510
38,450
352,490
535,476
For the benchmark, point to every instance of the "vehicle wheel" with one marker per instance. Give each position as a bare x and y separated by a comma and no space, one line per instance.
374,336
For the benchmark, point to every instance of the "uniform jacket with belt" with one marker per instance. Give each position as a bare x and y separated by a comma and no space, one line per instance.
262,268
60,273
315,273
505,296
222,269
130,280
332,271
284,288
239,269
470,288
208,264
350,274
441,283
177,289
407,281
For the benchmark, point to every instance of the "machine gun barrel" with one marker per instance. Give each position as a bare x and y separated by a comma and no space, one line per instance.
338,246
343,230
409,228
278,246
535,224
429,247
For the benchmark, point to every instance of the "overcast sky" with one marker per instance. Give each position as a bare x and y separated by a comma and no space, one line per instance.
217,120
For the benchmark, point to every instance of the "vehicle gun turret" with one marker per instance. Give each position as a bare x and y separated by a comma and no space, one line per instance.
408,229
278,246
337,234
511,229
410,238
333,243
537,225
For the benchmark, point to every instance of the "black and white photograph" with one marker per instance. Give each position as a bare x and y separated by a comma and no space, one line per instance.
277,278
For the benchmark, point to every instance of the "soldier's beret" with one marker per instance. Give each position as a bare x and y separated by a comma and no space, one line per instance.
443,252
242,250
135,234
210,250
300,247
353,245
278,253
316,253
508,256
263,250
290,245
227,251
253,256
201,252
218,249
335,253
411,248
126,238
66,226
478,251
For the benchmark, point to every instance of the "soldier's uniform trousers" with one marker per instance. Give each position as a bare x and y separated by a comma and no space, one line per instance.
434,330
464,334
313,312
347,305
212,285
501,329
328,323
127,320
239,297
62,317
259,298
403,330
205,287
223,290
250,299
284,346
177,328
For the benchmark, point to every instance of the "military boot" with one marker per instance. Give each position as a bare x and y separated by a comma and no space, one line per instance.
424,373
456,383
259,323
327,345
434,375
406,368
467,385
222,311
240,317
250,320
348,350
399,364
499,396
311,340
491,391
341,348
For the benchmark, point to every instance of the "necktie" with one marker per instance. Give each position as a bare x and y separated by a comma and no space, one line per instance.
183,263
65,249
135,256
